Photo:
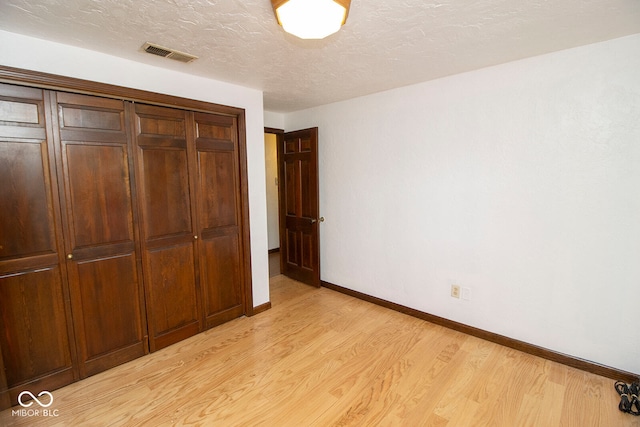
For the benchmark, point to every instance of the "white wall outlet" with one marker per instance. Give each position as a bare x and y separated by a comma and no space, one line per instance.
466,294
455,291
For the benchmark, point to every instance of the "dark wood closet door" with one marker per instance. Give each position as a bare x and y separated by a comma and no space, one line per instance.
218,217
106,293
299,215
36,336
168,225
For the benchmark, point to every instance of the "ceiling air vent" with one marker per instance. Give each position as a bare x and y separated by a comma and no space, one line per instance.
165,52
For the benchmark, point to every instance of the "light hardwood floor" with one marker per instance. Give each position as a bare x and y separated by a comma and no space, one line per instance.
321,358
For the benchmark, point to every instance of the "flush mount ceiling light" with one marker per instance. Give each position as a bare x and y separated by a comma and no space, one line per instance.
311,19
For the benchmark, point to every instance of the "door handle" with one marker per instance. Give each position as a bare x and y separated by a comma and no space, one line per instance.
313,221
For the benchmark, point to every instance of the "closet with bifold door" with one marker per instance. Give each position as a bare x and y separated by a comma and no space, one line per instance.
92,143
36,332
168,225
70,290
218,207
187,163
122,231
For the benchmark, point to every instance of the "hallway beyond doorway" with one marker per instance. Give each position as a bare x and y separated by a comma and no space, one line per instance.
274,264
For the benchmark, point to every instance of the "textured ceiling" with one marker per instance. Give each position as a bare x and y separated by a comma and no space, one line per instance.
384,44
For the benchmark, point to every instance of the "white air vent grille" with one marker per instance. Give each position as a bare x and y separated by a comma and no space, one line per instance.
165,52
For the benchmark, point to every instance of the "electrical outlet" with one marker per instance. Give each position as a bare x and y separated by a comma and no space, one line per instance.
466,294
455,291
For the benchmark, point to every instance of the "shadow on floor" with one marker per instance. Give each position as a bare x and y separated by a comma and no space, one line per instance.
274,264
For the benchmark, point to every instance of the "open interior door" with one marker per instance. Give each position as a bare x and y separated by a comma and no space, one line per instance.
299,207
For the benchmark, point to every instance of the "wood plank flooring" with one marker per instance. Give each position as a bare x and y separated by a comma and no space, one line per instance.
321,358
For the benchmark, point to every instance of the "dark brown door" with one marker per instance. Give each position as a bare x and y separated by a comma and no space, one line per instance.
36,334
106,290
5,400
168,224
299,214
218,200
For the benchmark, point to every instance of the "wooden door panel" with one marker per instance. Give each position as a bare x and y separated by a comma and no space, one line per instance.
27,225
100,193
221,278
299,215
299,192
301,248
111,323
32,315
174,313
217,188
104,277
291,145
82,118
22,112
36,336
160,122
306,144
19,111
291,255
83,112
168,241
167,201
5,399
307,254
215,128
292,187
93,142
307,208
218,198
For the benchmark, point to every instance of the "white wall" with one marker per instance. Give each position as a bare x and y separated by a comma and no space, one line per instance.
271,166
520,181
274,120
40,55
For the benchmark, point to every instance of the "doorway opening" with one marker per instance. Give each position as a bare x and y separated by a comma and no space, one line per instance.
271,169
296,180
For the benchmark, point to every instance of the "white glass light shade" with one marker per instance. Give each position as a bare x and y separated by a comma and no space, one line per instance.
311,19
